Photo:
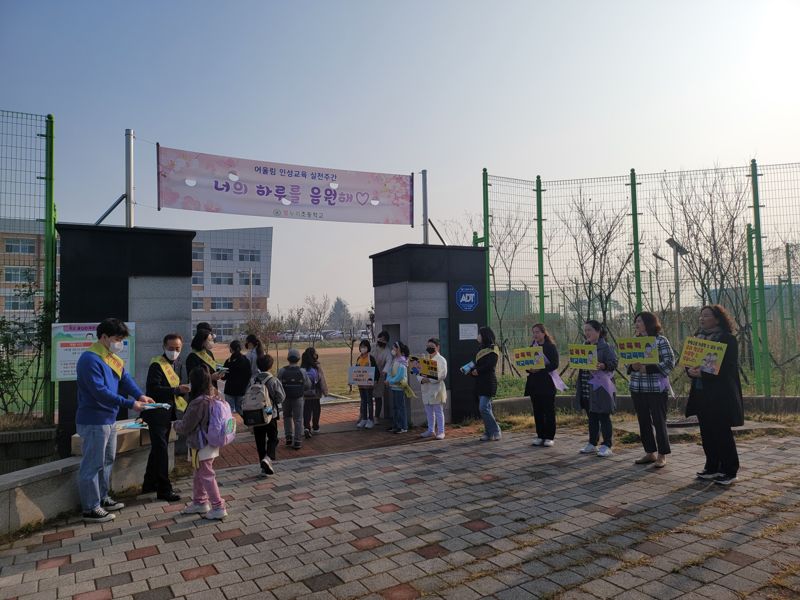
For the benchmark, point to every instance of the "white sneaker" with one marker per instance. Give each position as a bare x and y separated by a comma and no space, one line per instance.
426,434
439,436
537,442
216,514
369,424
196,509
588,449
604,451
266,466
549,443
361,423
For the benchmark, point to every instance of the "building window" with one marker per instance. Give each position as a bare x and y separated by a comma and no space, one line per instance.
19,303
222,254
224,330
20,246
197,278
244,278
221,278
197,304
198,253
221,303
19,275
250,255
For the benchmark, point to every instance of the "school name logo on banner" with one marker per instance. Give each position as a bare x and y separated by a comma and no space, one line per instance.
221,184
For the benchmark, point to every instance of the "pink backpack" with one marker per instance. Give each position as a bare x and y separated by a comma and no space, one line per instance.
221,426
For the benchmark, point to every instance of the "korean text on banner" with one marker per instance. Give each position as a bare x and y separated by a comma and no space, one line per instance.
361,376
425,367
642,350
529,358
70,340
583,356
220,184
702,353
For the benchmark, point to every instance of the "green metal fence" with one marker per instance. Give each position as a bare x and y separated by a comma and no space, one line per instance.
563,251
27,265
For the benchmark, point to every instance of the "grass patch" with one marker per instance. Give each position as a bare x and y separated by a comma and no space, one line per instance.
20,422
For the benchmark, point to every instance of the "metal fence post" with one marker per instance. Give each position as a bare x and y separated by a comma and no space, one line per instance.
782,316
486,243
791,297
637,274
754,332
540,245
49,269
759,256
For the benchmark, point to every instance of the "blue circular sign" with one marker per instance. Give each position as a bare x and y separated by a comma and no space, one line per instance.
467,298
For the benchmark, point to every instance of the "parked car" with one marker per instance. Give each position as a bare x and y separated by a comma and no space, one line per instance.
363,334
332,334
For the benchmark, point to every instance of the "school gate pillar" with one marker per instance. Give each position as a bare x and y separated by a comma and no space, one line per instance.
424,291
139,275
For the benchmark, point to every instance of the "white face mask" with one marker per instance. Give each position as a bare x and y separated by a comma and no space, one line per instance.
209,345
116,347
172,354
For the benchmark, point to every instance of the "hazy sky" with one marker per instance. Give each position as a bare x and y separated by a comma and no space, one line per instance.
562,88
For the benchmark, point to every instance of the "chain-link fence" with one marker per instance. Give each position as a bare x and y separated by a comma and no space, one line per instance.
27,265
692,233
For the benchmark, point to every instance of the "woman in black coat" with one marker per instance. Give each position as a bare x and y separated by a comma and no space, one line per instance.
237,378
486,383
596,392
717,399
541,388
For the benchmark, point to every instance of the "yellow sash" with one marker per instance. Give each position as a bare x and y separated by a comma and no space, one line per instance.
172,378
114,362
485,351
203,355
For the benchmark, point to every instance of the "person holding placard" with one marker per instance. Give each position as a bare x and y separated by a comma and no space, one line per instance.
165,387
717,399
367,412
596,392
434,392
541,388
649,386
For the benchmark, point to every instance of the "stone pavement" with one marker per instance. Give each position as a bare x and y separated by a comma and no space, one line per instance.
455,519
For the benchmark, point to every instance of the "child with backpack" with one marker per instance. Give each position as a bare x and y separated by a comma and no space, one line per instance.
208,425
319,387
261,410
295,382
365,359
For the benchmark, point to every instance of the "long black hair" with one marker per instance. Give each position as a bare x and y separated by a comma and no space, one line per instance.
253,340
200,380
199,339
310,358
487,337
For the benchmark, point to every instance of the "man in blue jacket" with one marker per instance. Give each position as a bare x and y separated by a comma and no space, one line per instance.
103,387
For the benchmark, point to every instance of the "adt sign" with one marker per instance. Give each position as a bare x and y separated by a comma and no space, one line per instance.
467,298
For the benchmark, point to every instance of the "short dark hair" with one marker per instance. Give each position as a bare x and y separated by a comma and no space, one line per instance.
171,336
384,334
200,338
651,323
236,347
435,341
203,325
265,362
112,327
200,380
366,344
597,326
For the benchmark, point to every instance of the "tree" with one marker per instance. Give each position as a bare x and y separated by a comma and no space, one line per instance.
316,315
340,317
293,320
264,326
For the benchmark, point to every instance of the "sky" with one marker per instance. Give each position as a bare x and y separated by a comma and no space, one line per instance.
561,89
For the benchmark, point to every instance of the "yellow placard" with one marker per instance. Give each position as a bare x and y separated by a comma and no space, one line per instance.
531,358
701,353
583,356
642,350
424,367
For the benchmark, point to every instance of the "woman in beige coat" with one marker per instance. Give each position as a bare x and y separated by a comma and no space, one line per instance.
434,392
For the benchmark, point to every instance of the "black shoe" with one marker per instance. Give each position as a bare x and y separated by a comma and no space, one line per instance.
726,479
98,515
297,446
706,474
170,496
288,441
109,503
266,466
308,434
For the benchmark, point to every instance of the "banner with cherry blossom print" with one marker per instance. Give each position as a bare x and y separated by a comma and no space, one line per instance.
221,184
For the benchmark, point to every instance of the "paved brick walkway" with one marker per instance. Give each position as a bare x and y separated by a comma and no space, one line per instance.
456,519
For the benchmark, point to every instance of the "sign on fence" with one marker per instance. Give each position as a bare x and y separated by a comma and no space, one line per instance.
701,353
221,184
361,376
70,340
529,358
583,356
640,350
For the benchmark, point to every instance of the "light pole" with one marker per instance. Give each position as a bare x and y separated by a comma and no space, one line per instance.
250,281
677,252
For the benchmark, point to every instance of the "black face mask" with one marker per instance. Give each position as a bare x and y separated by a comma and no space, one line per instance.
381,344
431,350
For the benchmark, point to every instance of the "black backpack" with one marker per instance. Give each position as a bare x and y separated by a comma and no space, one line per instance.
293,382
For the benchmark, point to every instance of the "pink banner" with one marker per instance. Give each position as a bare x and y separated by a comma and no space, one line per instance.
209,183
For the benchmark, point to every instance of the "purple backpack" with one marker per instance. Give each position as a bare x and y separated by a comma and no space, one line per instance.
221,426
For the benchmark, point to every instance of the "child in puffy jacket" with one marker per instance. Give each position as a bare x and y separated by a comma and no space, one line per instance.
206,500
